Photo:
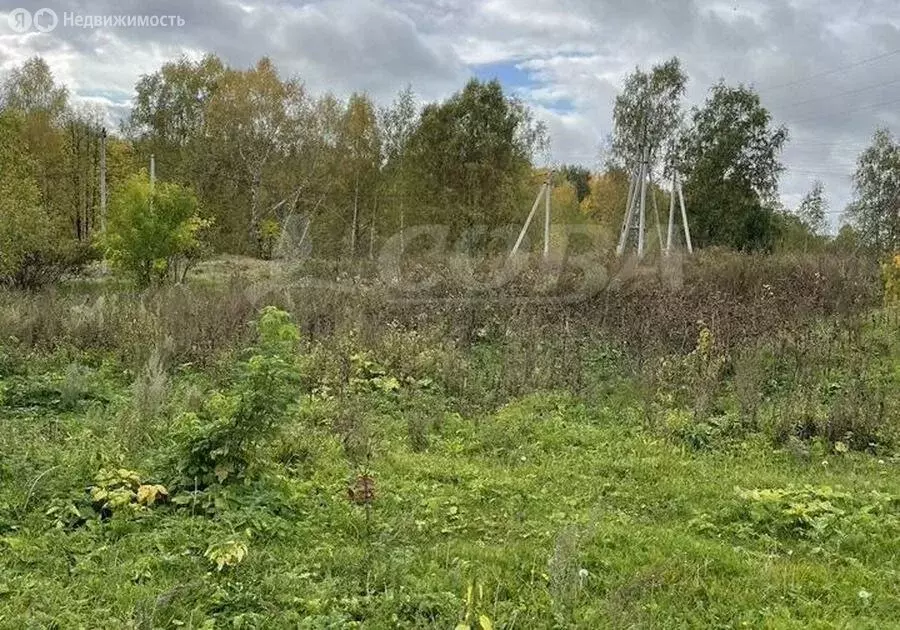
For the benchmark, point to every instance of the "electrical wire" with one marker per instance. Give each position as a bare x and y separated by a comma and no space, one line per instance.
854,110
839,94
835,70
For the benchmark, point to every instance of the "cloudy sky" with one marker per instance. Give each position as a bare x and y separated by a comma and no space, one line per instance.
828,69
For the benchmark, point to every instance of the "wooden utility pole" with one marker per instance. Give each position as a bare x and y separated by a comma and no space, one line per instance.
103,179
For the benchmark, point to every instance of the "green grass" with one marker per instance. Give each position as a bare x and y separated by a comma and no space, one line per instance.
558,510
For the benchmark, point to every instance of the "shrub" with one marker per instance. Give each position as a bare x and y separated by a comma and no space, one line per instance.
33,250
816,513
153,231
223,437
50,261
693,379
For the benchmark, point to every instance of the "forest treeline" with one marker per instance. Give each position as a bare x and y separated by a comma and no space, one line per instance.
261,155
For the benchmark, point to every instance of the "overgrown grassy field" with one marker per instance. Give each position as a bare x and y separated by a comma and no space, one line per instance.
165,462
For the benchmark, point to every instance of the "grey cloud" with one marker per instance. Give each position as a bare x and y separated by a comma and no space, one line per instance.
343,45
576,51
361,45
763,44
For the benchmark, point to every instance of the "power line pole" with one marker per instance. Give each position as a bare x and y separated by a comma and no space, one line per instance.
656,214
641,179
545,190
629,210
642,220
103,179
684,219
637,204
677,191
671,229
547,194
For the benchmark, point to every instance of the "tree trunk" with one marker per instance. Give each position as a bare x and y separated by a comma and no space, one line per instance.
372,232
255,236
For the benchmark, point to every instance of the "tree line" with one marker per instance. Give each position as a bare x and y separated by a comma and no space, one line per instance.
274,169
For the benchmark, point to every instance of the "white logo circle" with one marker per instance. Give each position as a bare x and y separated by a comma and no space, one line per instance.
19,20
45,20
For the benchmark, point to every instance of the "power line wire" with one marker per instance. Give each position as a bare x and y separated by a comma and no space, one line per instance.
846,93
821,167
833,143
836,70
845,177
844,113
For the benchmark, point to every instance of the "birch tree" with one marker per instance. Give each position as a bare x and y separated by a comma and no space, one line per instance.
875,210
648,112
254,117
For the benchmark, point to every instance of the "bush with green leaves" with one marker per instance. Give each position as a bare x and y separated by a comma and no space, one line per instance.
222,439
153,231
33,249
816,513
20,223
